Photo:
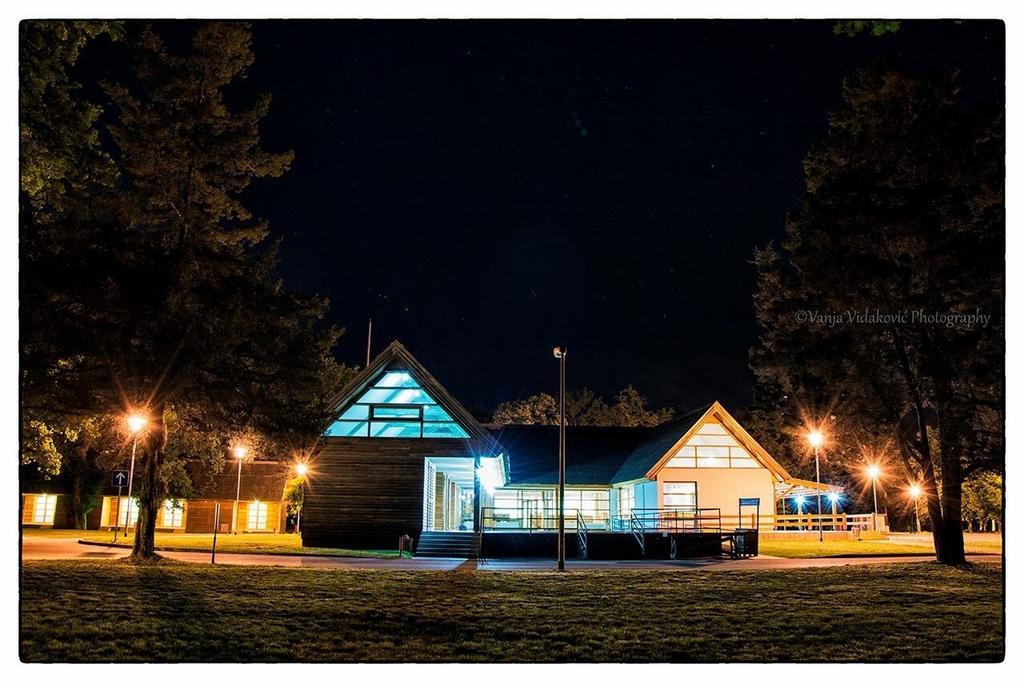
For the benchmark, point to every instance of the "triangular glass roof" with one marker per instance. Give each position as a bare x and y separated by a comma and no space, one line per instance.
395,406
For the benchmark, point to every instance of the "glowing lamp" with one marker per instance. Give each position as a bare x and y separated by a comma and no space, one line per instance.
833,497
136,422
301,469
559,352
489,474
240,452
816,438
874,472
799,499
914,490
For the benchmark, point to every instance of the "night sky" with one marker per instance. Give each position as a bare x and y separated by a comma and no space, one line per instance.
487,190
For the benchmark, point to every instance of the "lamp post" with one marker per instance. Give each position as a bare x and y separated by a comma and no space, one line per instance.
136,423
301,469
240,452
560,353
873,473
816,438
915,494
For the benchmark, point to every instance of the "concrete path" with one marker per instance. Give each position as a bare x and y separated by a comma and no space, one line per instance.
34,547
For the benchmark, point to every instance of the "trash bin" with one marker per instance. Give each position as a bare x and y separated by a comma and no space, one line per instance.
744,543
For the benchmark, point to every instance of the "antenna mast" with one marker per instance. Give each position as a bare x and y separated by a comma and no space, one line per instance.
369,340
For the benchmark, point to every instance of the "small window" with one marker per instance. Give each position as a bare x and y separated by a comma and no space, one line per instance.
44,508
128,509
392,412
172,515
680,494
625,500
257,517
409,429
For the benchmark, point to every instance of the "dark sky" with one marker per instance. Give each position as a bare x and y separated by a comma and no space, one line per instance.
487,190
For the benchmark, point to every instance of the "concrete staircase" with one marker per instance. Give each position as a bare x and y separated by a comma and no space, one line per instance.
454,545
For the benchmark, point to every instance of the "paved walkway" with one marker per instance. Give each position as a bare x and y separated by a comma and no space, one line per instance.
34,547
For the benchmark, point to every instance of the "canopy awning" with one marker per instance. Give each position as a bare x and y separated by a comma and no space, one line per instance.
791,487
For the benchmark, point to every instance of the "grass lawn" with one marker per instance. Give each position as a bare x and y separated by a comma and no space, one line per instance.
252,543
171,611
808,547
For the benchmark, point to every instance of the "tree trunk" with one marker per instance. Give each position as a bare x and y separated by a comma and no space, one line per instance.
76,476
930,489
150,485
952,507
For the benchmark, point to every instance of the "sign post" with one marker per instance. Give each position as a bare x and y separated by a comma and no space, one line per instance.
117,480
216,525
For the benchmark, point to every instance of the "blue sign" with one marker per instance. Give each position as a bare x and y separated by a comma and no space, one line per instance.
750,501
119,479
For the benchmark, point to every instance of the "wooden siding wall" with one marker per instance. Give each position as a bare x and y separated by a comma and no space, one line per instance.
367,492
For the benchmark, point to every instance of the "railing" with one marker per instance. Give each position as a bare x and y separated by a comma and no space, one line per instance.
581,535
637,529
825,522
671,520
501,518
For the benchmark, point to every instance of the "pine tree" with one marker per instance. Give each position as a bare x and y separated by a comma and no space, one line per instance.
903,217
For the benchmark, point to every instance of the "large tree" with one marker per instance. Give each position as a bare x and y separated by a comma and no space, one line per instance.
583,408
161,290
882,315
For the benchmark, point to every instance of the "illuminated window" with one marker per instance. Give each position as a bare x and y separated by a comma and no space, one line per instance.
128,508
678,495
44,508
626,499
257,517
396,407
591,504
172,515
713,447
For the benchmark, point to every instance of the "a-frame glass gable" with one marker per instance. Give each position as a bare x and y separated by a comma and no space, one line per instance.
396,406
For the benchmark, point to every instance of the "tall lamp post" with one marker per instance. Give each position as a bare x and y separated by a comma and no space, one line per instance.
816,438
301,469
874,471
560,353
240,452
915,493
136,423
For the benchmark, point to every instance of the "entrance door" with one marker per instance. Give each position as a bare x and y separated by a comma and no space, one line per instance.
448,500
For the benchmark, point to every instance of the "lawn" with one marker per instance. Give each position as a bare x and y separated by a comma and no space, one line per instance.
252,543
809,547
171,611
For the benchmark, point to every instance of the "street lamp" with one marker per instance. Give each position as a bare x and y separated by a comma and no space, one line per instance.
240,452
874,471
915,493
301,469
816,439
560,353
136,423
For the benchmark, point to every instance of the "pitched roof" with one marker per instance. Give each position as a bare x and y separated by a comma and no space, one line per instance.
658,441
593,453
259,481
396,356
606,455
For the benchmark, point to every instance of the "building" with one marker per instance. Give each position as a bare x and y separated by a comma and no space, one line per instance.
261,508
43,509
403,457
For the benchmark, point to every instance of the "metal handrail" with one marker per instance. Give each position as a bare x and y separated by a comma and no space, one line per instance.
678,519
581,534
637,529
531,522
